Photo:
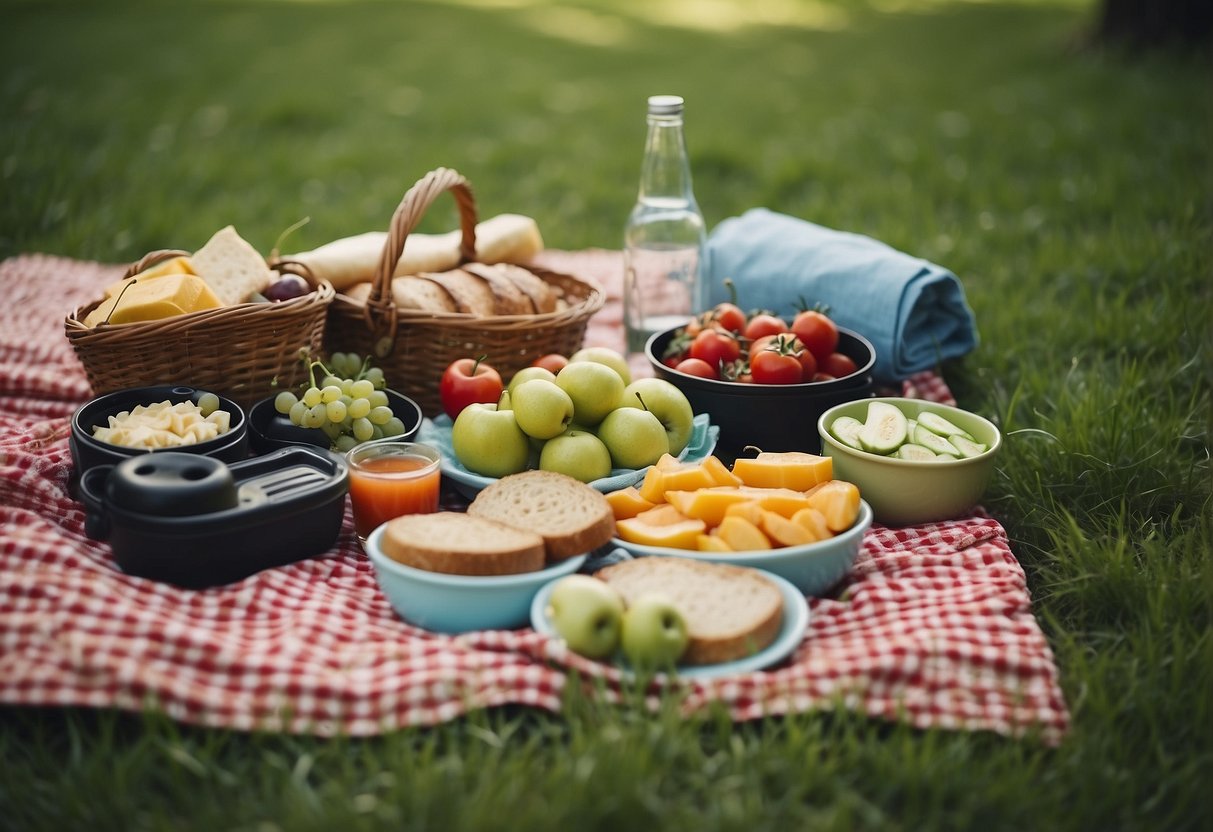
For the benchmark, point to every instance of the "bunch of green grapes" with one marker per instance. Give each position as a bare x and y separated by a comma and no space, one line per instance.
345,399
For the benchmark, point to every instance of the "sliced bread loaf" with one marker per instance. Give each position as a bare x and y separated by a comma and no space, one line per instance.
459,544
572,517
731,611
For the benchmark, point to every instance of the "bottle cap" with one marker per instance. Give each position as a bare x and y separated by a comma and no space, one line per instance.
665,105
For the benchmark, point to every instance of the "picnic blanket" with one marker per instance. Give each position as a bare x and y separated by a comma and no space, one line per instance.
933,626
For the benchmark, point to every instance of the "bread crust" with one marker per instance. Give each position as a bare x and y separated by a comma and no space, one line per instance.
570,516
508,299
459,544
731,611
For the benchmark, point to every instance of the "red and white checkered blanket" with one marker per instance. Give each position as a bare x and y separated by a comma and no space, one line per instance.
933,626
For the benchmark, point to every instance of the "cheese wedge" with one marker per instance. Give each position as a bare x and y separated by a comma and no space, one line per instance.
178,265
150,300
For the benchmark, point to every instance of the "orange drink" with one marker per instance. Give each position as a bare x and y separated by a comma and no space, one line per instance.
389,478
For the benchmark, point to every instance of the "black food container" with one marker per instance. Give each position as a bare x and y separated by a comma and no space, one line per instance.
88,452
196,522
270,430
771,417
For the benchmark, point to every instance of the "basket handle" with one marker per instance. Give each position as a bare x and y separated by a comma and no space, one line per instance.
152,258
380,308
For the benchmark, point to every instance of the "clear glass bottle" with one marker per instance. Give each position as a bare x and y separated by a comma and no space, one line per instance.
664,238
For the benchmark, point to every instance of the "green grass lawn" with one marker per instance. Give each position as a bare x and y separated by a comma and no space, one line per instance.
1071,191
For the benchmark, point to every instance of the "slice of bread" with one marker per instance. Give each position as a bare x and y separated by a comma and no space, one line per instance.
422,293
508,299
460,544
471,295
542,296
231,267
731,611
570,516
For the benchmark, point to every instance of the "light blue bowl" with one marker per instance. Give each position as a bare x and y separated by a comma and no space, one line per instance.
812,568
460,603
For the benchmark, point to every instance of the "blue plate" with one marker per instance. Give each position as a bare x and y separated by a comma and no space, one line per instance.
791,633
437,432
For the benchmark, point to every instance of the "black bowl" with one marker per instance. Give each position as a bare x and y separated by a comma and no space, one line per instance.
269,430
88,452
773,417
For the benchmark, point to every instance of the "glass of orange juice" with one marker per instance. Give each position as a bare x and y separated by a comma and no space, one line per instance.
389,478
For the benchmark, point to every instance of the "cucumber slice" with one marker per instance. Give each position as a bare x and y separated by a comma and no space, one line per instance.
910,425
916,453
846,430
940,426
884,430
967,447
934,441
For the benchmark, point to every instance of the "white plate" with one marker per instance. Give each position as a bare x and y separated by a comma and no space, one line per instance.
437,432
791,633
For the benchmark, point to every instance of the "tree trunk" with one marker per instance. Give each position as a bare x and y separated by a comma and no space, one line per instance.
1150,24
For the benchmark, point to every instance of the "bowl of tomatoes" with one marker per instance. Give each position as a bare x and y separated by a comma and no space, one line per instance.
763,380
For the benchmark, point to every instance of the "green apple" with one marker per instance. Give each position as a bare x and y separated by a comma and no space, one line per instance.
588,614
595,389
580,454
654,632
488,441
607,356
668,404
634,436
542,408
528,373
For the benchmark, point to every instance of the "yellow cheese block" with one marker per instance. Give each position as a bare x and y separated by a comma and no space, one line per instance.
178,265
151,300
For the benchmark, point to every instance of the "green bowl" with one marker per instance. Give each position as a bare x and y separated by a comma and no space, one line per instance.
907,492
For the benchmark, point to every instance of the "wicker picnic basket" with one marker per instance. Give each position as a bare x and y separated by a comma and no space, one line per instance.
243,351
414,347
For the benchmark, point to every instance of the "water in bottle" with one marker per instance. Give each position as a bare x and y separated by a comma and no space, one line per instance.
664,238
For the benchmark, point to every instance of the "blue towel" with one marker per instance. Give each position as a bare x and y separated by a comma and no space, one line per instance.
913,311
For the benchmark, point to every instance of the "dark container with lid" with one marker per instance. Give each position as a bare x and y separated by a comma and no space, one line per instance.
196,522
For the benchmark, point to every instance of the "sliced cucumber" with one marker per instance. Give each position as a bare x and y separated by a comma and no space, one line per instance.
846,430
968,447
940,426
884,430
934,441
910,425
916,453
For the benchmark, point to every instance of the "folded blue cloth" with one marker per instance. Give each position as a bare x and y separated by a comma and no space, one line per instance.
913,311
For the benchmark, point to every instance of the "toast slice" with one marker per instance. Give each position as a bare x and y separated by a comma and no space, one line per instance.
731,611
570,516
459,544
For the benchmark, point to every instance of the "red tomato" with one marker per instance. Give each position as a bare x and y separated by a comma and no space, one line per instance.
761,344
726,315
715,347
776,365
466,381
764,324
838,365
818,333
696,367
553,362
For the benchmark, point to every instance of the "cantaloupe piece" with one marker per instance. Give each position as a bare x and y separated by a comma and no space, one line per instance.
662,515
706,504
627,502
750,510
792,469
651,488
814,522
783,531
839,502
741,535
711,543
782,501
720,472
674,476
681,535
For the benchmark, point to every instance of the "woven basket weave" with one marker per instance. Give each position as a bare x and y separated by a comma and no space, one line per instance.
414,347
244,351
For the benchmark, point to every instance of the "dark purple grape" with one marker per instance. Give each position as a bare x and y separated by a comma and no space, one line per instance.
286,287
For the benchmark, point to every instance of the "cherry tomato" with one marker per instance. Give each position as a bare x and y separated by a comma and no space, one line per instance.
838,365
761,344
466,381
553,362
776,365
715,347
818,333
793,345
696,367
727,316
764,324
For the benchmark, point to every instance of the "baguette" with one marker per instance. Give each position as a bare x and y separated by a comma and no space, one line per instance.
731,611
570,516
459,544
